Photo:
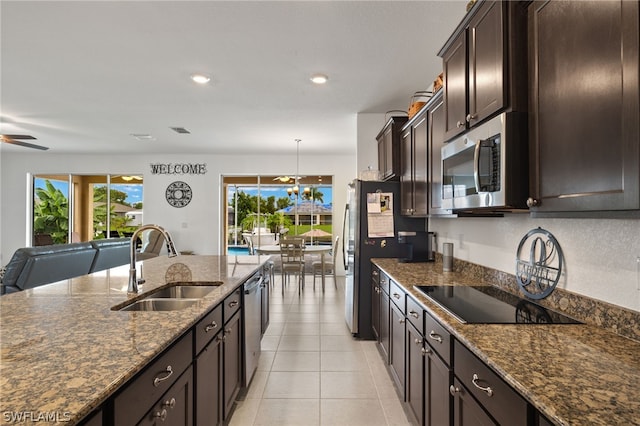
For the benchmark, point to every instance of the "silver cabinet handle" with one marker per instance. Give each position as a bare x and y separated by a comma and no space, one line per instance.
426,351
414,314
532,202
233,303
487,389
401,320
453,390
170,403
210,327
471,117
435,336
417,342
159,380
375,273
459,124
396,295
162,415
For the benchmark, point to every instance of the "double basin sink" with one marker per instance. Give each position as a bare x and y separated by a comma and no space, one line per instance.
174,297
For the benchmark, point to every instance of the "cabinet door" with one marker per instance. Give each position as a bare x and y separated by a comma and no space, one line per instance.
436,142
466,411
584,93
454,63
208,383
375,306
175,406
264,312
397,347
382,166
232,359
406,173
415,374
420,167
385,320
437,379
487,42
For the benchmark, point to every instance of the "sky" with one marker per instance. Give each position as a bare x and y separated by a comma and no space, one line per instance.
133,191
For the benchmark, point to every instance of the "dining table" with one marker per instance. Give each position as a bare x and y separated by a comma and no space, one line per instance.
308,249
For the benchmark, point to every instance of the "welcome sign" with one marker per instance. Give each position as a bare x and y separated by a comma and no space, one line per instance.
178,168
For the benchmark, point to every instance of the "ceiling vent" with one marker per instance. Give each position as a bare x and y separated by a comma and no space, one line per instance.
143,136
180,130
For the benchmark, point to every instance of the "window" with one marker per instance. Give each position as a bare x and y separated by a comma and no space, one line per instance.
73,208
260,209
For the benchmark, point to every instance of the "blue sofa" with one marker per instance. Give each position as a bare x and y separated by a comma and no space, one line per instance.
31,267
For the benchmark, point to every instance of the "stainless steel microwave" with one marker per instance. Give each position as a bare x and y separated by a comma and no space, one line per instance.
487,167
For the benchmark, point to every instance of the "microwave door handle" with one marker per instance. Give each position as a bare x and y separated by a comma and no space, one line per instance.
476,165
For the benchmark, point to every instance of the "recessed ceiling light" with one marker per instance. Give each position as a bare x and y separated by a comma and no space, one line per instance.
319,78
200,78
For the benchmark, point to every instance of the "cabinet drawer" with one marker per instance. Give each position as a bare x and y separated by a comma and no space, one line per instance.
232,304
141,393
208,327
438,338
398,295
175,407
497,397
384,282
415,314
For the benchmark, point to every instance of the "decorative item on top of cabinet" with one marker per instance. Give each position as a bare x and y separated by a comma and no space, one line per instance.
485,66
585,101
389,148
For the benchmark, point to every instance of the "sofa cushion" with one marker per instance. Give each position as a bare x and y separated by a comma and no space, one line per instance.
34,266
110,252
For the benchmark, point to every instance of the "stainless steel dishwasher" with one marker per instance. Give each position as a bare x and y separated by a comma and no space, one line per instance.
253,324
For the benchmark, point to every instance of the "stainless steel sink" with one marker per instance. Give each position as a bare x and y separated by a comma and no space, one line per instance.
182,291
150,304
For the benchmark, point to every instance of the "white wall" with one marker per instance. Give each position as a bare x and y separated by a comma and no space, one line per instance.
194,227
369,125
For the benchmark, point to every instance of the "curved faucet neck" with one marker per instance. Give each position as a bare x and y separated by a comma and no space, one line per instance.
171,252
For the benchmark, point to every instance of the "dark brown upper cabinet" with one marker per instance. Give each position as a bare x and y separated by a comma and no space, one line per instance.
414,183
389,148
584,128
484,65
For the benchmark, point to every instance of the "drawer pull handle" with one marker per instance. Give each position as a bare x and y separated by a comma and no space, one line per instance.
396,295
162,415
435,336
426,351
453,390
487,389
417,341
210,327
233,303
459,124
159,380
374,273
170,403
401,320
414,314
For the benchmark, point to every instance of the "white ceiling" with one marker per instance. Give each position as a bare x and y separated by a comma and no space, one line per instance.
82,76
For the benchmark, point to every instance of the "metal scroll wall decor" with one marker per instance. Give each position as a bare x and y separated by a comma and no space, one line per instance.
178,194
539,262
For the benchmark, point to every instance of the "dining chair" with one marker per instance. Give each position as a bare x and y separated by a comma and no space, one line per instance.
292,257
328,266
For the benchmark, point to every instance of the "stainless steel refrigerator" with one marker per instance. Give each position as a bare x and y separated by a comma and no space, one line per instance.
359,247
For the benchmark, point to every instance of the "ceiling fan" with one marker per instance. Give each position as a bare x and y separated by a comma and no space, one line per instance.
17,140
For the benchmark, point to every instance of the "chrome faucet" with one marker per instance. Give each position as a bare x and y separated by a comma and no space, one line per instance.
171,251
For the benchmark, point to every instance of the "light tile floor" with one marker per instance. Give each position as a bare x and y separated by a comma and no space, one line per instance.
312,371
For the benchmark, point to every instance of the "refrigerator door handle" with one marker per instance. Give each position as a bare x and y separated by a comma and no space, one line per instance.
345,227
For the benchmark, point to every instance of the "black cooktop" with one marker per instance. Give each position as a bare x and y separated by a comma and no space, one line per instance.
490,305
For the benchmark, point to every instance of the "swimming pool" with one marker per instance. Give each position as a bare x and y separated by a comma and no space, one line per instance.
238,251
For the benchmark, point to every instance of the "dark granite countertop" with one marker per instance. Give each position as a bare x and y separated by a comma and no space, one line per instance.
64,351
573,374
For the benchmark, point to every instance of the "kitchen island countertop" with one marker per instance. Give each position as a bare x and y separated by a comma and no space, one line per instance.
573,374
64,351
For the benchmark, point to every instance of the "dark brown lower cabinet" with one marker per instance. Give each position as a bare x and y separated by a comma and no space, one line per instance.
385,333
209,383
375,306
466,411
397,328
414,394
437,401
175,408
232,361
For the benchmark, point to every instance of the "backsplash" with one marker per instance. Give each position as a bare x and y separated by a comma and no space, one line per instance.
616,319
